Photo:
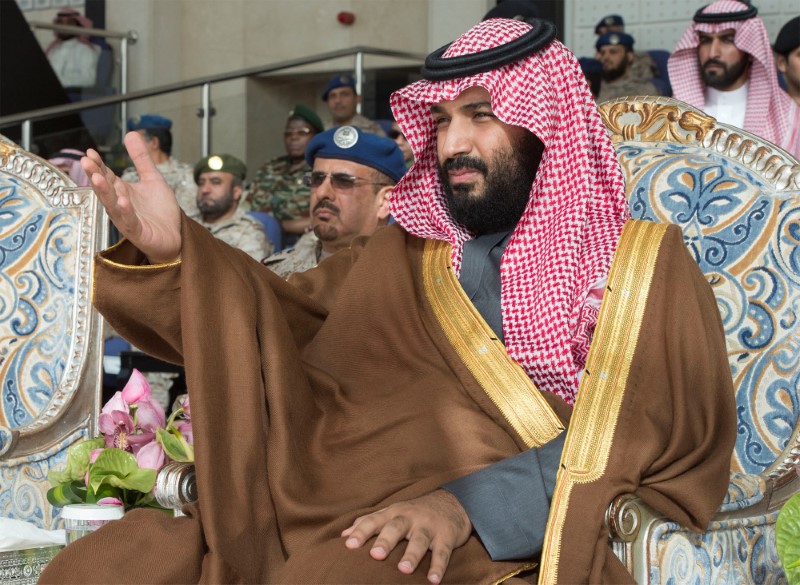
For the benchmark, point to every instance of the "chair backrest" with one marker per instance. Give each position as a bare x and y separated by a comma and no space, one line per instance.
271,225
737,199
50,336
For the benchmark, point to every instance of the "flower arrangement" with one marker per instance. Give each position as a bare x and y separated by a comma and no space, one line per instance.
120,466
787,537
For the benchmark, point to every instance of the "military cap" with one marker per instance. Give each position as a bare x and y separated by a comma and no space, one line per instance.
342,80
610,20
307,114
149,121
226,163
364,148
789,37
614,38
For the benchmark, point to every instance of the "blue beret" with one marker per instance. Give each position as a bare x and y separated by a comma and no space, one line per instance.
614,39
149,121
364,148
610,20
343,80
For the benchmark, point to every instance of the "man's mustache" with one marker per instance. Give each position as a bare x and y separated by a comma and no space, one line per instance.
465,162
715,62
326,204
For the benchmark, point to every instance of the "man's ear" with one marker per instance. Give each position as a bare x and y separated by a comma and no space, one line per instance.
383,196
781,63
237,192
629,56
156,142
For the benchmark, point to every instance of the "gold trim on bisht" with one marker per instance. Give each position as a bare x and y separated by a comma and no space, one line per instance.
503,379
594,418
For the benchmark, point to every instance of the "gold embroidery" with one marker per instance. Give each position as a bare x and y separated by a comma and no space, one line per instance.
594,419
503,379
521,569
105,260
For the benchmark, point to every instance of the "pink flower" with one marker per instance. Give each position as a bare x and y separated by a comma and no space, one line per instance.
94,455
185,429
151,456
136,388
150,415
110,501
118,428
139,440
116,402
184,404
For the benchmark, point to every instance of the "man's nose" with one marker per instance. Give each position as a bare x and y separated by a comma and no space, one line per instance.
716,47
456,140
325,189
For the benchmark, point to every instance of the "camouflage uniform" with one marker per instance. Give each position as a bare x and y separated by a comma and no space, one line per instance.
306,254
643,66
625,85
279,191
180,178
364,123
243,232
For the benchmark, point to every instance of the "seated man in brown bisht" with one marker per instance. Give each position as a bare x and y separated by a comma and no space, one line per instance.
398,413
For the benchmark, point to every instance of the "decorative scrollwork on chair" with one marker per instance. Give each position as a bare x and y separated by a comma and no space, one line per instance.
737,199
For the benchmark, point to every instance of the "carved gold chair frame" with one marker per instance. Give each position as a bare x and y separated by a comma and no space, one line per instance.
638,534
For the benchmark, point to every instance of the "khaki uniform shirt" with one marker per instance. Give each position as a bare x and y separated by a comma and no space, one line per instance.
625,85
180,178
280,191
305,254
364,123
243,232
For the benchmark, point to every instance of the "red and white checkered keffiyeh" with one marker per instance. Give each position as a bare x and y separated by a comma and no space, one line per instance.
768,106
557,260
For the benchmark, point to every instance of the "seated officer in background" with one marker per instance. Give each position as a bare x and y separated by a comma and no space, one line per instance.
615,53
352,178
157,134
277,186
220,180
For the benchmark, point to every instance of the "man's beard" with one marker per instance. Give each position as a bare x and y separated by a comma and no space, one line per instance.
507,187
727,77
616,72
212,209
325,231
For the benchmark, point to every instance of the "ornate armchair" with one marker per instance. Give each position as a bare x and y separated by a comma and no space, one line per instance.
50,337
737,199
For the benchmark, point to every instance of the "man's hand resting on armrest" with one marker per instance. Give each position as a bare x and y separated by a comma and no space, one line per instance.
434,522
146,212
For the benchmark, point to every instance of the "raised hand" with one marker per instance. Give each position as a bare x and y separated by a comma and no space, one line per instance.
146,212
435,521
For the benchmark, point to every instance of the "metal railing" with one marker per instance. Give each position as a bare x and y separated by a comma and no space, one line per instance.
27,118
125,38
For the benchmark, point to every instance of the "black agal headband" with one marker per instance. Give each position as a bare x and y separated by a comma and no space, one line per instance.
714,18
437,68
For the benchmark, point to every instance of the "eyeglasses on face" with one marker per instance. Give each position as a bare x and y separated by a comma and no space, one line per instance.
394,134
339,181
297,132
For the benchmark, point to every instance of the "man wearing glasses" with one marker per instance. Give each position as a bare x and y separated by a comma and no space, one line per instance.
352,178
277,186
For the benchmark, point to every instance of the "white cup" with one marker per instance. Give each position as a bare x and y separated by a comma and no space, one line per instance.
81,519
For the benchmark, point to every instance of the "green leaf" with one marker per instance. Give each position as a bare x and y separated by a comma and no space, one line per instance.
73,492
176,448
787,536
77,462
118,468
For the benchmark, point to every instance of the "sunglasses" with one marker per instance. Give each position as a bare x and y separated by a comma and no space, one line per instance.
394,134
339,181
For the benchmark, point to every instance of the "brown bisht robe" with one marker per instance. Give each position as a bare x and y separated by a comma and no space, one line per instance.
371,379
